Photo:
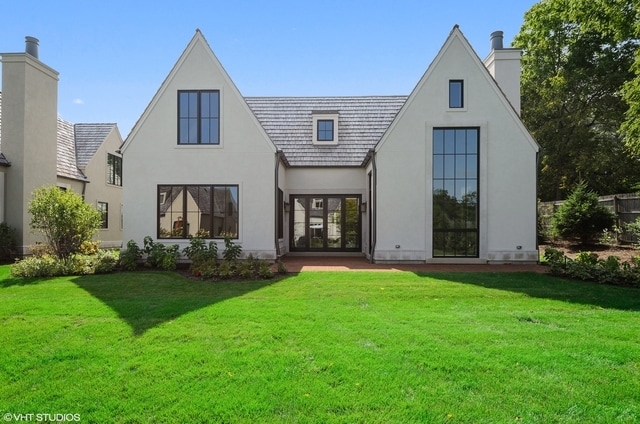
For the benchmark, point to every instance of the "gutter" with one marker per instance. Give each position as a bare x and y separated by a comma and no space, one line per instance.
279,155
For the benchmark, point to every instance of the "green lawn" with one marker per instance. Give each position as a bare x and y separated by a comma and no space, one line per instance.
318,347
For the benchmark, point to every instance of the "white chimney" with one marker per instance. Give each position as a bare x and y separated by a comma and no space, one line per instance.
504,66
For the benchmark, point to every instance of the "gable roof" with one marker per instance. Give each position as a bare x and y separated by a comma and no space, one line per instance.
361,123
89,138
456,34
198,39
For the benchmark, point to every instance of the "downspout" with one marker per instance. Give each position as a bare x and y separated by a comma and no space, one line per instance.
374,209
538,156
275,215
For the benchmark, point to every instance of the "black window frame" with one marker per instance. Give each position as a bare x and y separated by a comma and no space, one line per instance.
447,208
104,214
324,131
114,170
197,116
456,97
227,209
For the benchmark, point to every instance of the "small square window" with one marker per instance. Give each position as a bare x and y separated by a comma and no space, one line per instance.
325,129
456,97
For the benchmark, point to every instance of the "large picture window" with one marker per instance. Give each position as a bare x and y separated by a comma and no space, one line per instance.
114,170
207,211
199,117
455,192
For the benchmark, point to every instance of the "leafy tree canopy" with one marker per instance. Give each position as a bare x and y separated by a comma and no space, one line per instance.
577,61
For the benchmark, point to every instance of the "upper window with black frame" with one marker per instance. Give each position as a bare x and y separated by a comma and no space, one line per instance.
456,94
325,129
114,170
199,117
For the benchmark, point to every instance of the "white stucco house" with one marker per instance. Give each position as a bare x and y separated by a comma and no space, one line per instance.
38,148
444,174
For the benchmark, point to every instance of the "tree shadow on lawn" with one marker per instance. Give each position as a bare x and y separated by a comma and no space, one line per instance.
549,287
147,299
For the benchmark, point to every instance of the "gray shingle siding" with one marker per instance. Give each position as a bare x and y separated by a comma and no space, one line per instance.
289,123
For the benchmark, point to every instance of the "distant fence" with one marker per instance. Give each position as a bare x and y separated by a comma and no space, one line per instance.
625,206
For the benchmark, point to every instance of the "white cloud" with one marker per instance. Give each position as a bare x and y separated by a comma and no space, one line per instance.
78,101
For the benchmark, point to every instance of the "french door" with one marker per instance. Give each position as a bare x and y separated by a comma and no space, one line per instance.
325,223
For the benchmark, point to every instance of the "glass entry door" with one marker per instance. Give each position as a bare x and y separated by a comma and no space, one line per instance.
325,223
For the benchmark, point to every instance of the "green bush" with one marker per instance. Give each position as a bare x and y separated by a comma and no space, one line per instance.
130,257
581,217
161,256
103,261
63,218
588,267
232,251
8,242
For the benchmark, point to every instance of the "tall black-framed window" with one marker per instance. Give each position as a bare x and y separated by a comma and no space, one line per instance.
455,192
325,129
456,94
199,117
207,211
103,208
114,170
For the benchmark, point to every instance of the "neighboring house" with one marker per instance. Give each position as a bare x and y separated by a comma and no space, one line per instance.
38,148
446,174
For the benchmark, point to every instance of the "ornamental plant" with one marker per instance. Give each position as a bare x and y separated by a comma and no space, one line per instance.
63,218
581,217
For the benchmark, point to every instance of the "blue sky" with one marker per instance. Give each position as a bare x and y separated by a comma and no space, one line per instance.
113,55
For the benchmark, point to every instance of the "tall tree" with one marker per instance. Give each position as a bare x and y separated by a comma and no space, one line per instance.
577,56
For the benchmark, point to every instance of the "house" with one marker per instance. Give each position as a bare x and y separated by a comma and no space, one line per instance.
444,174
37,148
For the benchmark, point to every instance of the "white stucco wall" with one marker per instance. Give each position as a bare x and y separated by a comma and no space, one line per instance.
245,156
507,186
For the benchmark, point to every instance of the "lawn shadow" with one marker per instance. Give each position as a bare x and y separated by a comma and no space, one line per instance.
549,287
148,299
13,281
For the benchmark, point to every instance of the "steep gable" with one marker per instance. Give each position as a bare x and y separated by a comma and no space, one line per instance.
198,68
457,59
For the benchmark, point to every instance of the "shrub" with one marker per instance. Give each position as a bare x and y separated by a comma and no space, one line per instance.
130,257
38,266
63,218
201,255
588,267
581,217
282,269
8,242
232,251
161,256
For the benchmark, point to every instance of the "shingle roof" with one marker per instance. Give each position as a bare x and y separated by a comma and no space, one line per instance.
89,138
289,123
67,152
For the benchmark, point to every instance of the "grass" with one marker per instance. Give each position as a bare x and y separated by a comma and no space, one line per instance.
321,347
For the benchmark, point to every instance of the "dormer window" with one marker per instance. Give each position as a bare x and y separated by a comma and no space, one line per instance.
325,128
456,94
